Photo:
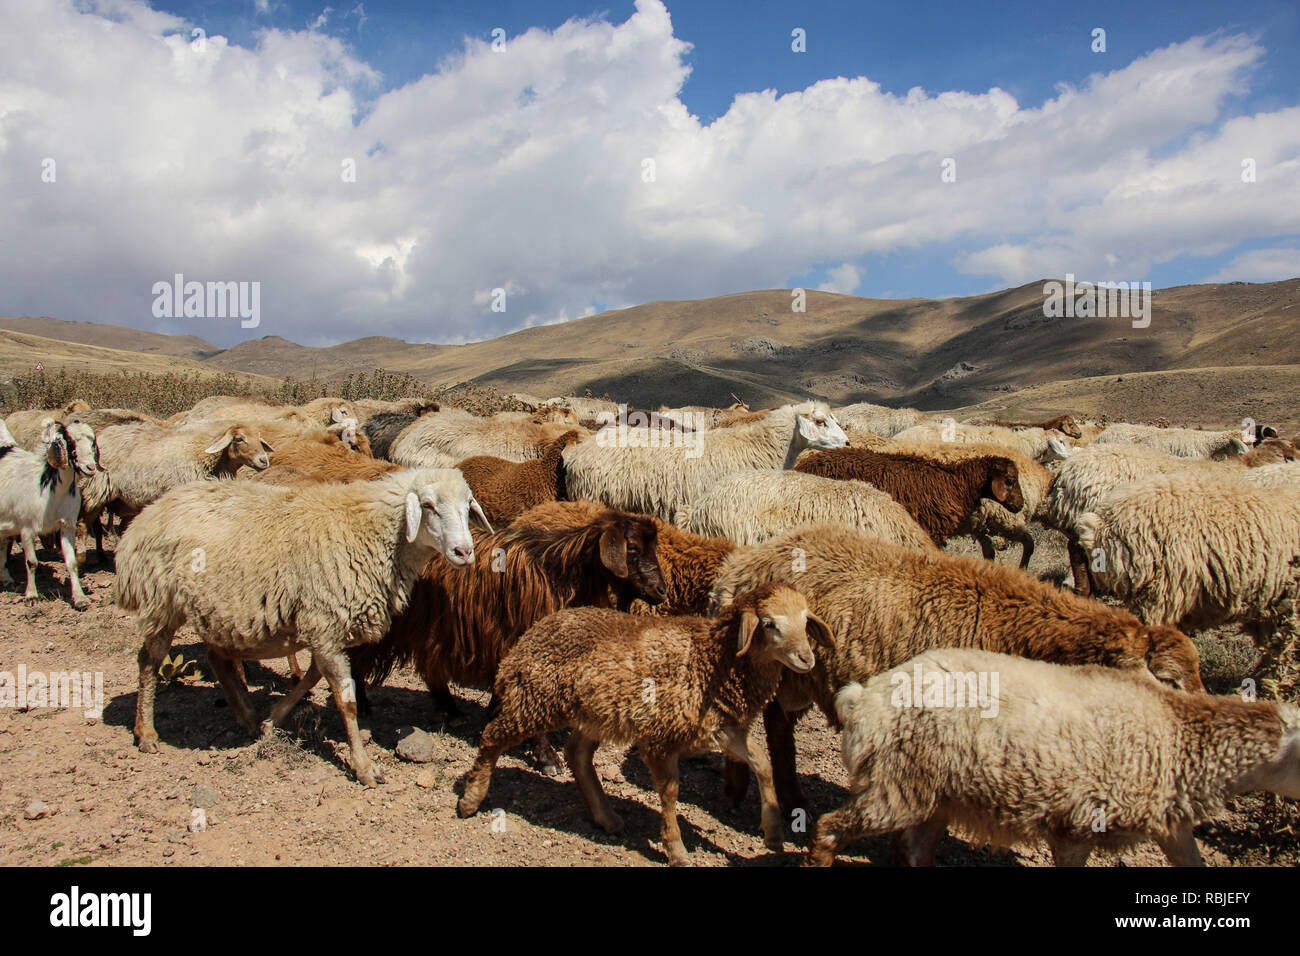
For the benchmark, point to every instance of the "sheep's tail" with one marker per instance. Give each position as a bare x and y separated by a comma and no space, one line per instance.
846,700
1087,528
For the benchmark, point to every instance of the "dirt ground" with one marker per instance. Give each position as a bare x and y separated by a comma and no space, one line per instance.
290,799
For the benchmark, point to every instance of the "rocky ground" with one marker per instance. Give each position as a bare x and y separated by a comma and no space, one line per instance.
76,792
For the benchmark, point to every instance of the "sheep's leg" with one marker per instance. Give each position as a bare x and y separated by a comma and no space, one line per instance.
1180,847
986,546
334,665
285,705
579,751
663,770
778,723
444,702
1079,568
740,746
29,553
229,672
915,846
1026,546
839,828
501,733
150,658
295,671
544,755
1067,852
5,576
68,543
735,780
97,527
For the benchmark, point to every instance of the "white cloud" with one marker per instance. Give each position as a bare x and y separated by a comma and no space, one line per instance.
523,170
844,278
1261,265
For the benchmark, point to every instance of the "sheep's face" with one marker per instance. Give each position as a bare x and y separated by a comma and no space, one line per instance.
342,413
778,628
1004,485
629,550
437,517
60,452
1070,427
819,429
1058,449
85,455
1172,659
241,445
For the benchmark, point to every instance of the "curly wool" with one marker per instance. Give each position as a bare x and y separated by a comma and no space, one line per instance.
1068,740
880,420
454,435
507,489
1182,442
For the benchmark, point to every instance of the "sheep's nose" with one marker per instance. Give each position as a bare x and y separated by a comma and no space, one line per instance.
464,553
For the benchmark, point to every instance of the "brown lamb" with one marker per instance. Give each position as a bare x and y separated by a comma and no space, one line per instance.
886,604
690,562
1268,452
1065,424
506,489
461,622
673,687
309,462
939,495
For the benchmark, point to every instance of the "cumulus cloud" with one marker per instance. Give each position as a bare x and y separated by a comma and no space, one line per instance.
567,170
1262,265
844,278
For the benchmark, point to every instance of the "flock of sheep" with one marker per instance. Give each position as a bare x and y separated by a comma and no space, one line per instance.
666,593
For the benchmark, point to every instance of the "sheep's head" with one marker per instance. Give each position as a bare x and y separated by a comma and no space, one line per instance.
242,445
438,506
1068,426
340,414
777,627
629,551
85,450
817,428
1172,659
1058,449
60,452
1234,447
1004,484
346,432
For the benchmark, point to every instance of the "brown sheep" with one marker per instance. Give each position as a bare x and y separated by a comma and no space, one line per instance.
506,489
461,623
1065,424
887,604
310,461
1268,452
689,562
592,668
939,495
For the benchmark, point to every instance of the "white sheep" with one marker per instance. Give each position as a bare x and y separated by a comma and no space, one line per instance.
616,468
1039,444
1283,474
39,495
1201,550
880,419
1010,750
146,461
753,505
262,570
1182,442
452,435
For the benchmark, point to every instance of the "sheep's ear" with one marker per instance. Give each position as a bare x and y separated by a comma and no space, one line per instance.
749,624
412,516
820,632
338,414
49,428
613,552
478,513
220,443
266,444
806,428
999,485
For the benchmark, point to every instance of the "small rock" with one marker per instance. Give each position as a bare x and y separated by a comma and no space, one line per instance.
204,796
414,745
36,810
176,836
204,760
427,779
169,851
611,774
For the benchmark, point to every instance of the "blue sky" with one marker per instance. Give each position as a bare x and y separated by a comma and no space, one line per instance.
480,172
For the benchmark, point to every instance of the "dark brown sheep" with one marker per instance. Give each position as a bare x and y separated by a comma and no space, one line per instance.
674,687
382,430
461,622
506,489
939,495
689,562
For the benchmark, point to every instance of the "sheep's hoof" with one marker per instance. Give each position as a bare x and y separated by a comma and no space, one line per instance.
370,780
148,746
774,843
465,809
268,727
81,603
678,858
611,824
31,598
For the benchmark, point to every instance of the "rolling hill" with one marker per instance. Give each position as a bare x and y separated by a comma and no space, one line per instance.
1217,352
